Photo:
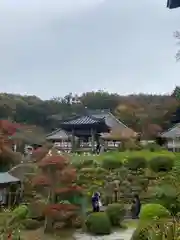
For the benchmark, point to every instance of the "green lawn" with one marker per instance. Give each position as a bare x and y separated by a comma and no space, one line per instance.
127,154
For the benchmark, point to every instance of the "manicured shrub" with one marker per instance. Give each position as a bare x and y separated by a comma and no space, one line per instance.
100,170
111,163
116,213
31,224
151,211
152,147
161,164
87,163
98,223
135,163
140,234
168,197
20,212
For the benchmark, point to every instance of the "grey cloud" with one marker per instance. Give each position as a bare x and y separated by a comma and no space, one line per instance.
53,47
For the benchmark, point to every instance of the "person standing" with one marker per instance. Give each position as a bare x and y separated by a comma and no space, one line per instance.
99,202
98,147
136,206
95,202
133,209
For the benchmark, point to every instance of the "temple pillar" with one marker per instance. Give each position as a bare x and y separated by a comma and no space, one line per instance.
73,141
92,140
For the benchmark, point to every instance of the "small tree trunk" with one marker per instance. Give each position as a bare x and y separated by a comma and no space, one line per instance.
48,224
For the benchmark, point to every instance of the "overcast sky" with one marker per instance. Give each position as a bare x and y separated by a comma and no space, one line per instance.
53,47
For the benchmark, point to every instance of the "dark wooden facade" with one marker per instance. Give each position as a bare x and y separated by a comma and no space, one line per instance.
84,128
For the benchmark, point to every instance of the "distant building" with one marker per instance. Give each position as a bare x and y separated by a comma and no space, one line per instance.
86,128
172,137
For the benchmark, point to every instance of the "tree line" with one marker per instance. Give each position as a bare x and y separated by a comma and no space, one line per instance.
142,112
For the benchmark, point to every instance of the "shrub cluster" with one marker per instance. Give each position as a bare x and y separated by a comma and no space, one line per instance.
135,163
140,234
31,224
161,164
152,147
101,223
153,211
20,212
98,223
111,163
149,212
116,213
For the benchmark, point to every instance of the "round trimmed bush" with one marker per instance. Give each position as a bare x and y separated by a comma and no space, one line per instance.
151,211
140,234
87,163
135,163
161,164
111,163
152,147
98,223
21,212
116,213
167,196
31,224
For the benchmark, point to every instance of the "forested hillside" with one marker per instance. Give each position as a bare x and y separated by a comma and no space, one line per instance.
145,113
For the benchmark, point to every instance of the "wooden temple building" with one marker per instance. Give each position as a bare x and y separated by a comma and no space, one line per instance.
84,132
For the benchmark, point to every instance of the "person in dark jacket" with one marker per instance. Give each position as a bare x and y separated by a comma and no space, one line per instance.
98,147
133,209
173,4
136,207
95,202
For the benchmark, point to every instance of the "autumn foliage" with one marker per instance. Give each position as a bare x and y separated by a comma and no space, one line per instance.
58,176
58,161
9,127
59,207
41,181
7,157
7,130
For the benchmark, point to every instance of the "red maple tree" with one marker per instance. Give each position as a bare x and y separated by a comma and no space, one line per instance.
7,157
59,179
7,130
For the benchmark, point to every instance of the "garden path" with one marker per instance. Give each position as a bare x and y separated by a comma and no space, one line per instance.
119,235
39,235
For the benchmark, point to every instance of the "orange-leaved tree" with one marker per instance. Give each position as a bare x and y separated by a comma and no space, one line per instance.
7,157
7,129
57,181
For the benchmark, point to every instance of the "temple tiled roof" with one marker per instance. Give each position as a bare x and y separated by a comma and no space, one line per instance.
83,120
7,178
110,119
58,134
173,132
